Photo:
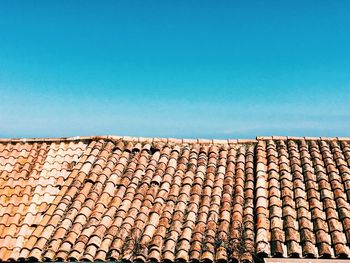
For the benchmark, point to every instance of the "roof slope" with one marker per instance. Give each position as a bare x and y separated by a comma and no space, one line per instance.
187,200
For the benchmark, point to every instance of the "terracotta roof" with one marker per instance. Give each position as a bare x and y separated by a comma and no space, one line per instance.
141,199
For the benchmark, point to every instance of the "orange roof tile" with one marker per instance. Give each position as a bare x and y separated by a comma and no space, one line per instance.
145,199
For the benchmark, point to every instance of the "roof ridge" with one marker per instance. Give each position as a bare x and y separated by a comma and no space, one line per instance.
169,139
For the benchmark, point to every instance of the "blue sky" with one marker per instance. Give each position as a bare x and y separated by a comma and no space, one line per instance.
208,69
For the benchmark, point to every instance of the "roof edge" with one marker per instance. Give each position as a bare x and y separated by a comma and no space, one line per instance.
173,140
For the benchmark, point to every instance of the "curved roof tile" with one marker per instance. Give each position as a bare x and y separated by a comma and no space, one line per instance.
151,199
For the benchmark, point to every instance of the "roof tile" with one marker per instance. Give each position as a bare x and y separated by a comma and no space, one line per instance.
141,199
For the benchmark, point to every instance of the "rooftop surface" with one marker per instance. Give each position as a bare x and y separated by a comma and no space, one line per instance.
154,199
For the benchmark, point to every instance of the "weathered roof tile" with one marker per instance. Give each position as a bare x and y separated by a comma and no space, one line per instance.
140,199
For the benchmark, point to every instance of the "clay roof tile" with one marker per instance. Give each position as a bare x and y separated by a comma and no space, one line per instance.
140,199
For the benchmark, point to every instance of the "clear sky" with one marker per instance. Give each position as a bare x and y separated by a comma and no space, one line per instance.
208,69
